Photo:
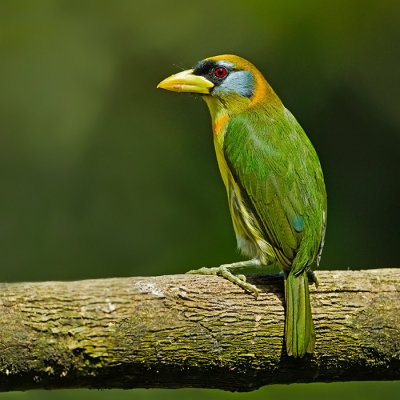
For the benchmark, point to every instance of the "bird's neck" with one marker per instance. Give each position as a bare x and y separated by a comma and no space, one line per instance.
222,110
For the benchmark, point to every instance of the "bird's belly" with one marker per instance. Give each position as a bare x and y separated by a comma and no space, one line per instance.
248,232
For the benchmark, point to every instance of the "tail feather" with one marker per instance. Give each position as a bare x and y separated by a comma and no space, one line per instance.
299,327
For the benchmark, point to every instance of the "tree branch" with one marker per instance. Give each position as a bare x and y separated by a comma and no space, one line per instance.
194,331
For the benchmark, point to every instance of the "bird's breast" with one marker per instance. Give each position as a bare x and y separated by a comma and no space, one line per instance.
219,125
248,231
219,129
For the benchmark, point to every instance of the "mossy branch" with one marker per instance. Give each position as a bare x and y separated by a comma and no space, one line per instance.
194,331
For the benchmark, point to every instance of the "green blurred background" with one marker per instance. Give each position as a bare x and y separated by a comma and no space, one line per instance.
103,175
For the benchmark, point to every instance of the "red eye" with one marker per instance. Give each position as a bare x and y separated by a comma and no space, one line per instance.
220,72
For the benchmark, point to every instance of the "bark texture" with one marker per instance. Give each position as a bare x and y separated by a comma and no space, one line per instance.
194,331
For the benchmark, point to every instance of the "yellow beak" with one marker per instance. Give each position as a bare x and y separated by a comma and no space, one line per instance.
185,81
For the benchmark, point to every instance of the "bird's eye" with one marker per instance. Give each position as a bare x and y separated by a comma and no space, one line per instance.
220,72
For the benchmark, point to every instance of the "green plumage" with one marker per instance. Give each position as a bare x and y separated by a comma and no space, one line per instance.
274,182
281,183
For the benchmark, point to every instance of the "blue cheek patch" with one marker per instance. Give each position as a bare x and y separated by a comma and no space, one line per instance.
241,82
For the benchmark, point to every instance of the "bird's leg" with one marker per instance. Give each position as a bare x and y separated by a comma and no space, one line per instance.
225,270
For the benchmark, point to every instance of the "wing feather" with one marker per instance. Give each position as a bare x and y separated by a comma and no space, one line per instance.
276,167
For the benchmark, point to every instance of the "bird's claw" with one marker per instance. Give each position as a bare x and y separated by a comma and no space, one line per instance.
312,277
223,270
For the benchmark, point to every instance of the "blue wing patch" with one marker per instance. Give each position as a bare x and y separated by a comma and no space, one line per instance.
298,223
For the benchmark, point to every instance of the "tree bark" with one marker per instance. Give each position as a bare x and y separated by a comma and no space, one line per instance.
194,331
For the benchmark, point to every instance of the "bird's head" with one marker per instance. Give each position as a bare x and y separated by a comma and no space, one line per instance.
227,83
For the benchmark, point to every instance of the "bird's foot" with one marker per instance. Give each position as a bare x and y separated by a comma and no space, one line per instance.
224,271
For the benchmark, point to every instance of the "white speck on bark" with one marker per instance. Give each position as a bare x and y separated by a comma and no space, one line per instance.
149,287
109,307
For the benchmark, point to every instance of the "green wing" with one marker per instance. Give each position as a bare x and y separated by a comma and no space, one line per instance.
278,171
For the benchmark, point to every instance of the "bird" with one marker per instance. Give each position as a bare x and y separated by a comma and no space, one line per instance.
273,179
